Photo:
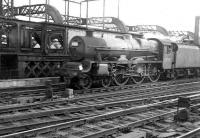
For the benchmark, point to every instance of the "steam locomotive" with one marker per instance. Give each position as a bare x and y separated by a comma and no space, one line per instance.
116,59
125,58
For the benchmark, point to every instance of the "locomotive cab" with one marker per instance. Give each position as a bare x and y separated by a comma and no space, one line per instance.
169,55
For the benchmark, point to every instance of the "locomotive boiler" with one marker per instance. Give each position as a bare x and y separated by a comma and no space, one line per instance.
88,47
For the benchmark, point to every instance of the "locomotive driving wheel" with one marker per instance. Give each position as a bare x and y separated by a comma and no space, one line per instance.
153,73
85,81
173,75
66,80
119,78
138,79
106,82
138,76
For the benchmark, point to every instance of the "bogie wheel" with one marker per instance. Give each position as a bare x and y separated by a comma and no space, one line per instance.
119,78
164,76
106,82
197,73
138,79
66,80
174,75
186,75
154,73
85,81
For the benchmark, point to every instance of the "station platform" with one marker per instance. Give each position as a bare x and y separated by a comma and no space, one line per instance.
12,83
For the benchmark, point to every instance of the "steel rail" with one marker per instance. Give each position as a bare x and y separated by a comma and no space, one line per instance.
137,93
10,96
105,98
114,114
142,123
81,109
191,134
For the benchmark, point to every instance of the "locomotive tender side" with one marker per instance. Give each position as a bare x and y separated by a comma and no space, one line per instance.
187,56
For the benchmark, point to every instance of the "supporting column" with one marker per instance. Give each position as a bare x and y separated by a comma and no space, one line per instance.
29,10
196,31
0,68
118,10
65,11
103,14
1,8
44,47
87,15
12,8
68,13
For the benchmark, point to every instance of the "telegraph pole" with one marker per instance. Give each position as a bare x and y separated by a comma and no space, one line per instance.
103,13
87,14
1,8
29,10
118,9
68,12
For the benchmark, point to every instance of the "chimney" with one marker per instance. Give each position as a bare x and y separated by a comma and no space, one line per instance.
196,31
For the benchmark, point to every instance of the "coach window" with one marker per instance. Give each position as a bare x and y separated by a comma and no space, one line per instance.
4,30
8,33
34,43
4,40
169,49
56,42
35,40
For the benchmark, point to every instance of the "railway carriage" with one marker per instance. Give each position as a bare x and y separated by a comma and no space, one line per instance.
25,50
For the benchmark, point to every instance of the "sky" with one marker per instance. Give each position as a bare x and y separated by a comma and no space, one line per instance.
171,14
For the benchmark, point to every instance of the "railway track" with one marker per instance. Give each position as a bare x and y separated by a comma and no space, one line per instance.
106,97
37,93
191,134
33,93
113,124
20,118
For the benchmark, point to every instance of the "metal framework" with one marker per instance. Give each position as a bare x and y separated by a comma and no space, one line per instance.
196,33
187,34
148,28
39,11
48,13
108,23
17,46
7,8
30,9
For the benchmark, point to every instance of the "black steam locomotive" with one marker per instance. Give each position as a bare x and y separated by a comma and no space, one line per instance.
117,58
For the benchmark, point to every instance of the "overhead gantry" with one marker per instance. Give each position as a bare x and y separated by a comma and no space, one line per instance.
51,14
